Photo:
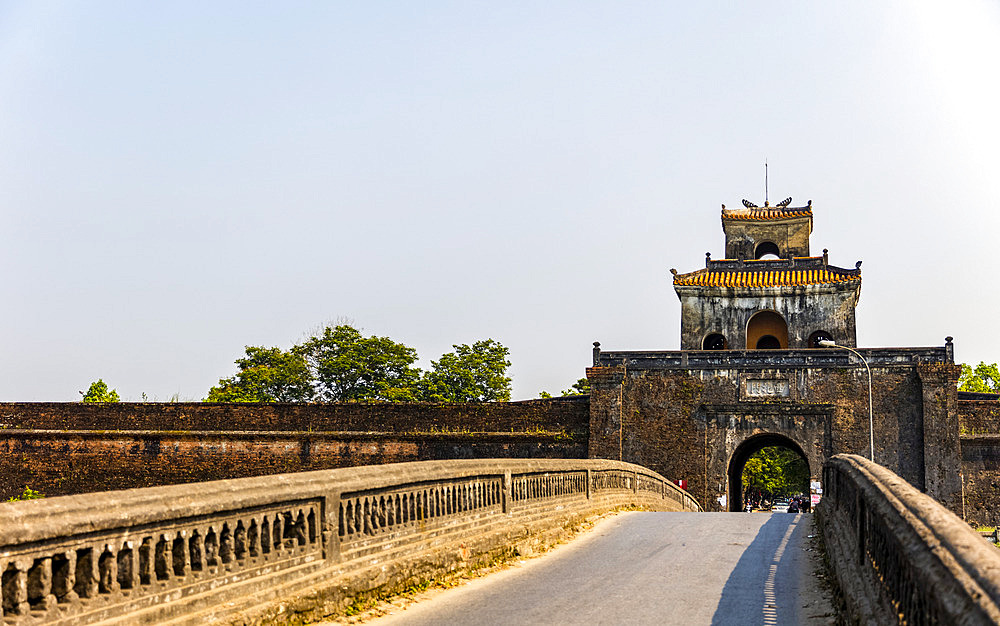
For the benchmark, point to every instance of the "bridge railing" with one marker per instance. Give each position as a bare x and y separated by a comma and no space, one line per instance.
226,549
899,555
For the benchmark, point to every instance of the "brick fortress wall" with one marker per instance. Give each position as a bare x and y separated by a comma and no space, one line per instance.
67,448
688,415
979,426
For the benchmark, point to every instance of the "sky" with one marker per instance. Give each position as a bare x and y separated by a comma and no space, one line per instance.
181,179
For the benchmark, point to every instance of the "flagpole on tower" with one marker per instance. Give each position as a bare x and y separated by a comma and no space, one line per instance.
765,181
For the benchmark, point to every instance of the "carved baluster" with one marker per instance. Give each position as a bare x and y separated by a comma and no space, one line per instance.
15,588
253,538
180,555
300,528
265,535
107,571
128,573
276,533
64,576
240,541
86,573
40,594
196,551
311,521
226,544
163,559
375,512
146,558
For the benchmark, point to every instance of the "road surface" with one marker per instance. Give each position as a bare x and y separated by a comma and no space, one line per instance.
650,568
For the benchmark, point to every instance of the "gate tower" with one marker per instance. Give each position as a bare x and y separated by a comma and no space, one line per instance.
768,293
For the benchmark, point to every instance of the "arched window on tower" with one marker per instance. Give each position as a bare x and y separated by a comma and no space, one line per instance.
767,249
818,336
715,341
767,330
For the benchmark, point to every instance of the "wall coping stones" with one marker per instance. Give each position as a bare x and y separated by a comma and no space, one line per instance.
768,359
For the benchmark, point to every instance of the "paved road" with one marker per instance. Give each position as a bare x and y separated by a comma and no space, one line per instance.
647,568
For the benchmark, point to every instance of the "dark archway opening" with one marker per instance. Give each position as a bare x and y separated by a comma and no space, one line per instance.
768,342
818,336
766,248
715,341
777,469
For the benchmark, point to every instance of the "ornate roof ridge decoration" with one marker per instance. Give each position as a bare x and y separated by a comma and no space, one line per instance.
768,276
779,211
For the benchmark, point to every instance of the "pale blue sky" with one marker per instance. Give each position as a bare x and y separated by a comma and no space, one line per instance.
179,179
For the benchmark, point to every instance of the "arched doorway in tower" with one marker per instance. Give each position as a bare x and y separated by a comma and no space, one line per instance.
767,330
765,468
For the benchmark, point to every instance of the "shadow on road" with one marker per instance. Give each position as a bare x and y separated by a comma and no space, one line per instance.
759,592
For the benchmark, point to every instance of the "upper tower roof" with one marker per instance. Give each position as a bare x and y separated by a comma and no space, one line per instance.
781,230
766,213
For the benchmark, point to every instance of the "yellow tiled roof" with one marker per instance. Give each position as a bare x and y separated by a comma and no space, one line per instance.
772,278
766,213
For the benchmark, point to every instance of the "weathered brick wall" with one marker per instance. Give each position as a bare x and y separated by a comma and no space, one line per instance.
979,424
553,414
979,414
66,448
981,476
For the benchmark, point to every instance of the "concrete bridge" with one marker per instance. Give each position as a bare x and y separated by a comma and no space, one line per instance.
297,547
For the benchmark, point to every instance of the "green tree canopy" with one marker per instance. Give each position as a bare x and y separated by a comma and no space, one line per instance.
983,379
340,364
266,375
99,392
475,373
580,388
349,366
775,472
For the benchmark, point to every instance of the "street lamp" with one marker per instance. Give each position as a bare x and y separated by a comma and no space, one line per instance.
827,343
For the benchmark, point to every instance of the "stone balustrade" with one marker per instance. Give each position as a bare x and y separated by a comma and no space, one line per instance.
259,549
901,557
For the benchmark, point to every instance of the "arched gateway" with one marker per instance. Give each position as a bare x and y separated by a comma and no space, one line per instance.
745,450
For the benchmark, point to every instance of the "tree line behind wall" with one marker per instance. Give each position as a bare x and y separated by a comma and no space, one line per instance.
340,364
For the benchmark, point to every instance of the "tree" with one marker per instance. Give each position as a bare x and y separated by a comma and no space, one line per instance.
266,375
348,366
983,379
475,373
774,472
579,388
98,392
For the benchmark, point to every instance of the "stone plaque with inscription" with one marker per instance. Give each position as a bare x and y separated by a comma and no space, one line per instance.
766,389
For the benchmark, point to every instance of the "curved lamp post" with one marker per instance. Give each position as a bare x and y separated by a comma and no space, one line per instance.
826,343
